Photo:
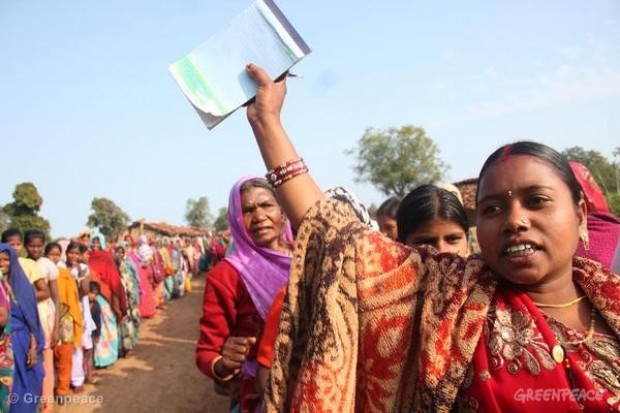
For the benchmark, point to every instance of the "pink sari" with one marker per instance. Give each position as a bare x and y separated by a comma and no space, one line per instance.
148,306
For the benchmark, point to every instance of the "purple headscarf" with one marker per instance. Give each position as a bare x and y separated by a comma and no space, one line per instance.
263,270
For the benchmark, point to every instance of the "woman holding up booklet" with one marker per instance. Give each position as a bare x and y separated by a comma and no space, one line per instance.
371,325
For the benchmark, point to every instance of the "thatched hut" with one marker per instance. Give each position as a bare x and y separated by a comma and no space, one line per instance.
468,189
161,229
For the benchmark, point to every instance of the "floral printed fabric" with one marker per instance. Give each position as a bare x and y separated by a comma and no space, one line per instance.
369,325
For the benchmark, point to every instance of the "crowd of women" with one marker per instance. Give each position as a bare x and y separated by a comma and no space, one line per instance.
345,318
71,307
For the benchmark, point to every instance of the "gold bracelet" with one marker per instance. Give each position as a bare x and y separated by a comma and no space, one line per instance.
217,376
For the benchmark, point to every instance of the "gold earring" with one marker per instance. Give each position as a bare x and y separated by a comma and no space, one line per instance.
585,238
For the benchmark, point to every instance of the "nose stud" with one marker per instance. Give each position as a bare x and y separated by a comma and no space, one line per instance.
524,221
509,193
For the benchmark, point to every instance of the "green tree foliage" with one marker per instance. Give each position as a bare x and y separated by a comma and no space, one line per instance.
606,172
198,213
396,160
4,219
613,202
221,222
23,212
108,217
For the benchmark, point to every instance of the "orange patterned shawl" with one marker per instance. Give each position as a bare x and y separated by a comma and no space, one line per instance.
369,325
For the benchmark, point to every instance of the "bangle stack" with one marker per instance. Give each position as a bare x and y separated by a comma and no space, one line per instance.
285,172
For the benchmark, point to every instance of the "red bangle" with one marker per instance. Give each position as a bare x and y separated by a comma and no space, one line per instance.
286,171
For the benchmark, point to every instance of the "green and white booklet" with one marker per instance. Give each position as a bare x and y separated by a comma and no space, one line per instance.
213,76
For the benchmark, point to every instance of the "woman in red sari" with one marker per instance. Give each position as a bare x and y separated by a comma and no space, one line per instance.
370,325
112,300
240,289
148,305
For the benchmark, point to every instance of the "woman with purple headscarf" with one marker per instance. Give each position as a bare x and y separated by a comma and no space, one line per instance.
241,288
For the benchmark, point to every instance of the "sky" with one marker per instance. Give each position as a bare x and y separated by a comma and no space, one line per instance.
88,107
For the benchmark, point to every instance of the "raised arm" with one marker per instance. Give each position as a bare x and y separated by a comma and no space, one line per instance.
298,194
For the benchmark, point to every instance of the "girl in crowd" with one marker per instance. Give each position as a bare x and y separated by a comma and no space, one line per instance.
69,331
386,217
130,325
27,340
371,325
34,240
241,288
81,274
112,300
429,215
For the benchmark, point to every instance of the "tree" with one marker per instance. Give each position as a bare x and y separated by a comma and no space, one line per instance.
221,222
4,219
23,212
108,217
605,172
396,161
197,213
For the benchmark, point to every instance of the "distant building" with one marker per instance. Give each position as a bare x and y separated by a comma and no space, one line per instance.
161,229
468,188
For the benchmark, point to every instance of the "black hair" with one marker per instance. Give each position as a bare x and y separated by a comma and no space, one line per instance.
74,245
50,246
119,247
83,248
543,152
33,234
10,233
389,207
427,202
94,287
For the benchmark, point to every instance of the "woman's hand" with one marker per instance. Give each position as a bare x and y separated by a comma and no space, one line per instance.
54,337
298,194
234,353
266,107
31,359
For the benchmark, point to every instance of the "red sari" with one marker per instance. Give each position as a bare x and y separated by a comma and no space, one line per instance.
513,364
104,267
147,305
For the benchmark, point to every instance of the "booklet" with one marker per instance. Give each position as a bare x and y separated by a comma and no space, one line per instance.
213,76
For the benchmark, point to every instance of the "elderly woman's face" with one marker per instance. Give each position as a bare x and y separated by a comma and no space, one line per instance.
527,220
262,217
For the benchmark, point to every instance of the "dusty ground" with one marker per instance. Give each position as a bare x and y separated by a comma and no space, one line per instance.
160,375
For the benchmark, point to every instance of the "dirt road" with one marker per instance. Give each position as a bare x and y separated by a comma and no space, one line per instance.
160,375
